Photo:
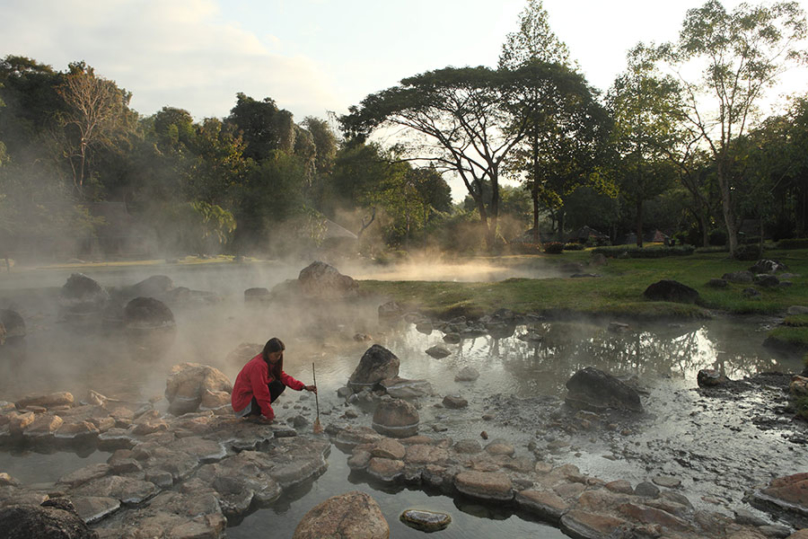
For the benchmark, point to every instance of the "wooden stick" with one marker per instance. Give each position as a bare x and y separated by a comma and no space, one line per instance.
317,428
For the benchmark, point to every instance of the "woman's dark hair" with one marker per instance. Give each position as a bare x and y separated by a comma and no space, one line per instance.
274,345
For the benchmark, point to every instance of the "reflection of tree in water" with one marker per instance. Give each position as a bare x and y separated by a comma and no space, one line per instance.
543,367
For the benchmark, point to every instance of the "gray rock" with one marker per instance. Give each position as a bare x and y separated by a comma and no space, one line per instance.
742,277
670,290
718,283
401,388
452,338
768,281
768,266
595,390
320,280
377,364
467,374
92,508
188,384
485,485
455,401
438,351
711,378
797,310
646,489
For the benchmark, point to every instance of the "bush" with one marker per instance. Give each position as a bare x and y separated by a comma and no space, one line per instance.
526,248
793,243
747,252
706,250
573,247
717,237
553,248
644,252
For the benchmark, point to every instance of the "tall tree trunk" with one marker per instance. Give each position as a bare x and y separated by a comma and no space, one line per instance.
534,194
726,207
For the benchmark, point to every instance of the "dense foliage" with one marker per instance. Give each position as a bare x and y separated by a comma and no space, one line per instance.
543,156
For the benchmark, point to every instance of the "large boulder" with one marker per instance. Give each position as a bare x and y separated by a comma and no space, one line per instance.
354,514
150,327
377,364
786,497
81,298
155,286
670,290
396,418
593,389
320,280
54,519
189,383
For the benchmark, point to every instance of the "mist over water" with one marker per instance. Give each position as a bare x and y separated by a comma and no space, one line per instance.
664,359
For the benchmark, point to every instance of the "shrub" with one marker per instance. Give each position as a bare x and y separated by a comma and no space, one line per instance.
526,248
706,250
717,237
553,247
747,252
644,252
573,247
793,243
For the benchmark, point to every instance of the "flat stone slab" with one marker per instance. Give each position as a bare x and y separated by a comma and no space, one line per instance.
485,485
427,521
546,505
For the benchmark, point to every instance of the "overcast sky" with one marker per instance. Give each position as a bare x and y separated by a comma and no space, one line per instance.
310,56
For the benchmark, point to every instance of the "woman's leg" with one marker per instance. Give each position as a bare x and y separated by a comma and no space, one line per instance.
276,387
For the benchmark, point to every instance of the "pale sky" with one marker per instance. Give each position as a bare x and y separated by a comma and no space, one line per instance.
310,56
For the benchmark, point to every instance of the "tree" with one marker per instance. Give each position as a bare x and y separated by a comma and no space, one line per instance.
642,103
466,121
96,108
534,41
265,128
743,53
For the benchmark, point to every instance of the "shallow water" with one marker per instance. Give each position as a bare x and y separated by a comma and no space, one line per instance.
715,448
469,520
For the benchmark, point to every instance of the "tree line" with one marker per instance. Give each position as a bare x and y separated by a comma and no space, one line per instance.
677,143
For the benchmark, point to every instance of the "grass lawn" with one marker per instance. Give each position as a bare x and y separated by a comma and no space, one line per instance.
618,292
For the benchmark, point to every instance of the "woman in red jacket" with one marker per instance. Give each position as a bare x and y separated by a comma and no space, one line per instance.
261,381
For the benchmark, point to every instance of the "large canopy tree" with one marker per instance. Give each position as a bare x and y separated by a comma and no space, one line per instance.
465,120
738,55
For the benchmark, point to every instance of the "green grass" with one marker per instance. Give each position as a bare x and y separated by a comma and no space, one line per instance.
618,292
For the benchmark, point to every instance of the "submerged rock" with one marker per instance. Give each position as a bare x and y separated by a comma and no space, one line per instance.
711,378
438,351
150,328
397,418
354,514
401,388
82,298
595,390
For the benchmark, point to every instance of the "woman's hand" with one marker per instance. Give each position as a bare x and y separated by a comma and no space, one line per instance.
311,388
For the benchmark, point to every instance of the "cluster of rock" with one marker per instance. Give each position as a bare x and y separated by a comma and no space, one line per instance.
583,507
179,477
763,274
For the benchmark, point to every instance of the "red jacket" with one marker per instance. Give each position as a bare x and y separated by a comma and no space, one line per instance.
253,381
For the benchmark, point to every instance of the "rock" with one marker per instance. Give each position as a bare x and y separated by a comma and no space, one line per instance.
14,325
786,497
798,386
150,328
647,489
718,283
322,281
94,508
751,293
578,523
387,470
670,290
390,312
126,489
376,364
257,295
244,352
711,378
618,327
468,446
401,388
742,277
667,482
424,326
467,374
188,383
768,266
426,521
81,297
44,425
354,514
485,485
155,286
438,351
797,309
57,520
598,259
595,390
49,400
396,417
452,338
455,401
500,447
387,448
546,505
767,281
